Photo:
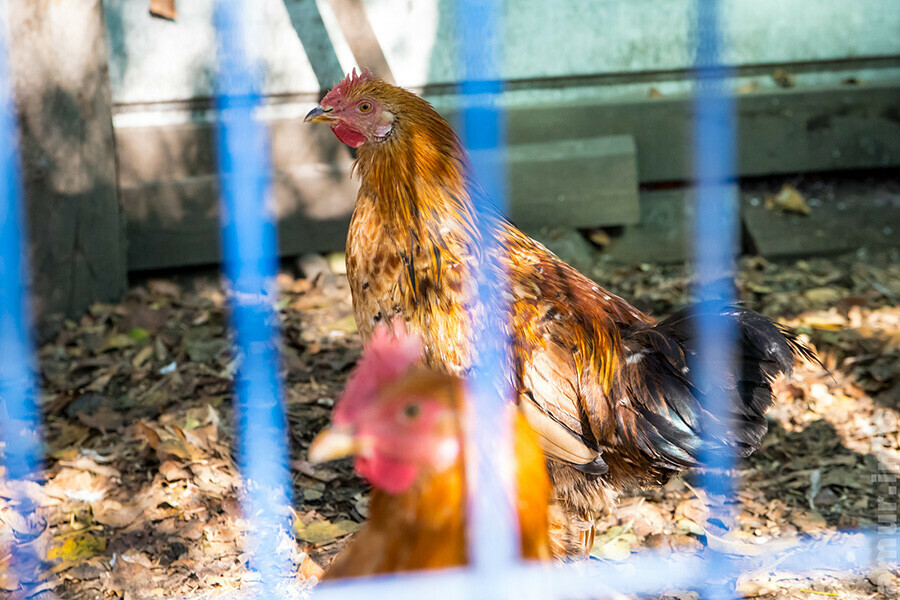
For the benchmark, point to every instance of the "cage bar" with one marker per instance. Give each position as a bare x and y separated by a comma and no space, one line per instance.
493,530
249,244
250,265
714,231
646,573
20,419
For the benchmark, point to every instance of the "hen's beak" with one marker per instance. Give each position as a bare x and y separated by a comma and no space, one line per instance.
320,114
332,444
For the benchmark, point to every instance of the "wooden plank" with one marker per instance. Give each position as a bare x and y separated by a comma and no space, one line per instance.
663,234
784,131
177,223
554,150
61,80
169,193
573,183
356,27
170,196
854,215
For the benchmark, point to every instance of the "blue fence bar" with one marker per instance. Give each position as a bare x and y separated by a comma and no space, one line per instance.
493,530
714,229
250,265
494,573
248,240
20,419
645,574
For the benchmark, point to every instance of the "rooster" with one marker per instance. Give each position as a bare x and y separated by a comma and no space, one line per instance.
608,389
404,424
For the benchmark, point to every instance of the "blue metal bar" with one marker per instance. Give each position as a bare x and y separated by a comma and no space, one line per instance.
248,241
493,531
715,227
644,574
20,419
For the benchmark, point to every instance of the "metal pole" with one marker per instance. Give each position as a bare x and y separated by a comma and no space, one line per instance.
248,241
715,228
493,539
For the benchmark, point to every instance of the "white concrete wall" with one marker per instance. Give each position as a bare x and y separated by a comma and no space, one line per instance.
157,61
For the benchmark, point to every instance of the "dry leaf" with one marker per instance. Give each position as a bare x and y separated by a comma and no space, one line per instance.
808,521
77,548
103,421
119,340
172,471
599,237
116,514
75,484
321,532
824,295
169,441
142,356
84,463
789,200
345,325
783,78
616,543
309,569
337,262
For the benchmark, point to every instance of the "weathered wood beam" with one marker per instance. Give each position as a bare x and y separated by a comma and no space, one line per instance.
61,80
168,184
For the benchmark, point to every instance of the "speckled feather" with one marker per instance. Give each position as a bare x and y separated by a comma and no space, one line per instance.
606,387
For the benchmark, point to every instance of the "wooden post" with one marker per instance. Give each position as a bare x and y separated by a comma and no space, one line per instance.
61,82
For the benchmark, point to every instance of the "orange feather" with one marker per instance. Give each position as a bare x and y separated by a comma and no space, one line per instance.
607,388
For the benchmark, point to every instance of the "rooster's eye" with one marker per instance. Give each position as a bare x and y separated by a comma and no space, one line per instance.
411,411
365,107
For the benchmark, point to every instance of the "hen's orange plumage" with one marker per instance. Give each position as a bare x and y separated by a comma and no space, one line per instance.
607,388
405,424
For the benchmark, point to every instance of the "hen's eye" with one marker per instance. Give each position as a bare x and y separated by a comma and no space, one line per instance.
411,411
365,107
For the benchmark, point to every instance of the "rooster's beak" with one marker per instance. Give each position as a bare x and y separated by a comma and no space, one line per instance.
334,443
320,114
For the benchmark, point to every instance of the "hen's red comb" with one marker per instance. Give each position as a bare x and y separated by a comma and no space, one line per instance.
387,356
340,90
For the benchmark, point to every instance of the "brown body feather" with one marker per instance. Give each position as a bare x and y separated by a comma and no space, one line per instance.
596,378
425,526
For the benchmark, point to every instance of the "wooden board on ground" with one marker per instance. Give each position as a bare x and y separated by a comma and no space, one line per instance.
61,81
584,152
573,183
170,195
858,214
783,131
663,234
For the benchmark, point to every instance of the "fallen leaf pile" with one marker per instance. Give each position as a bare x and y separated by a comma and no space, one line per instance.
140,496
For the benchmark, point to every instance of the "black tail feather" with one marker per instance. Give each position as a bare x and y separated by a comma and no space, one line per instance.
659,382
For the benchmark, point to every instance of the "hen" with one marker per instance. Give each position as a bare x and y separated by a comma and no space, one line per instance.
403,423
608,389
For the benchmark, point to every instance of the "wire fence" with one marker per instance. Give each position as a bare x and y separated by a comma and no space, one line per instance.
249,247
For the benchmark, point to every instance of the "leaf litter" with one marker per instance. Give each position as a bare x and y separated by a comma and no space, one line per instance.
140,496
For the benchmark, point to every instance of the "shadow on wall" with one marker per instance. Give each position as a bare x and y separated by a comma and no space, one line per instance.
167,171
60,79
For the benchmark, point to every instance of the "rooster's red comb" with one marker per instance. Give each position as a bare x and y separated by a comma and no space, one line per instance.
343,88
387,356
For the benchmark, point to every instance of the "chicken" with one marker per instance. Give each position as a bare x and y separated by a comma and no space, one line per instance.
609,390
403,423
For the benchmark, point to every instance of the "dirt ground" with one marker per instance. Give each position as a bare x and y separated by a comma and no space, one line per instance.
139,498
